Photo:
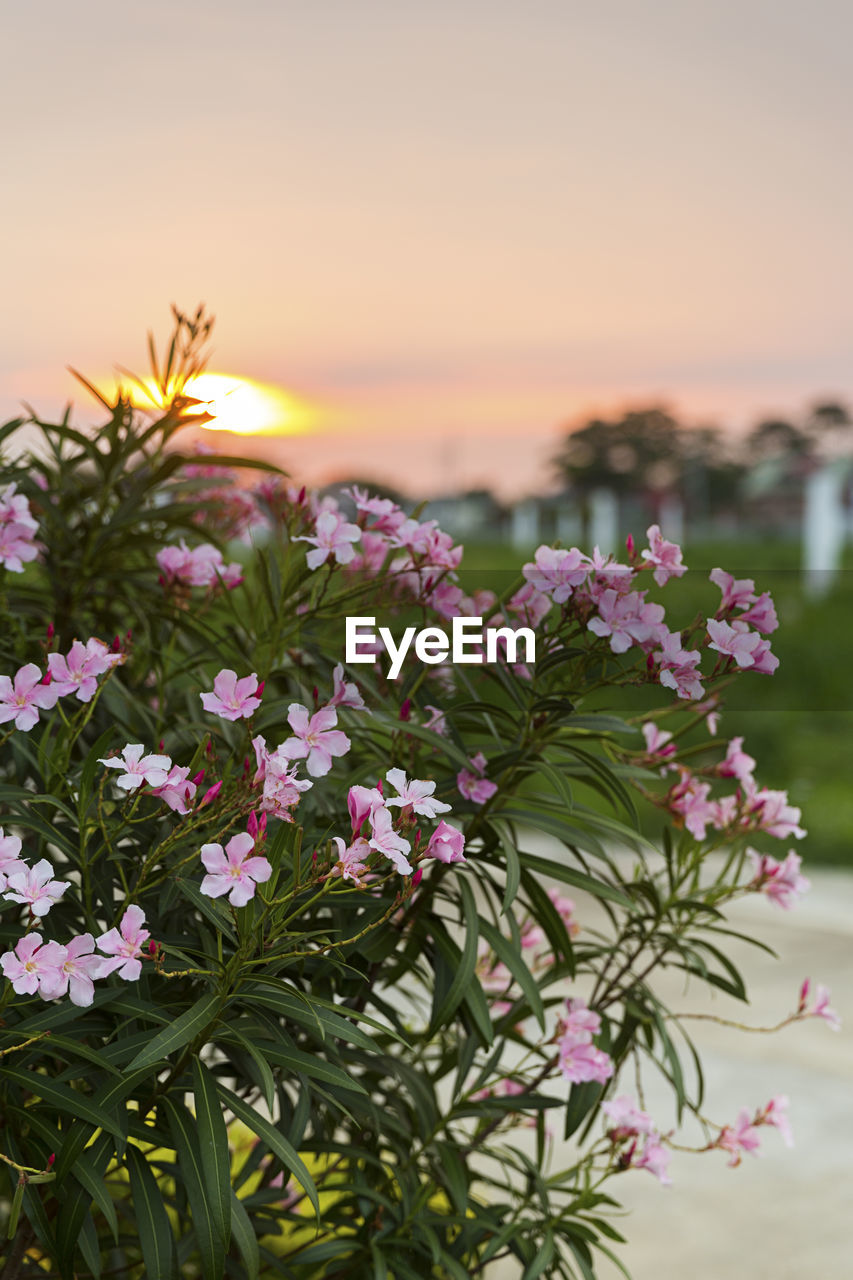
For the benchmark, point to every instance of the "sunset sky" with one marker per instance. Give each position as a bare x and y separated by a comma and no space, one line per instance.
449,228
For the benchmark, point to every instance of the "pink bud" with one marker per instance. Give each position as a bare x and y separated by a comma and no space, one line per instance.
316,694
260,692
51,631
417,877
379,787
302,493
805,991
51,1160
211,793
406,709
115,647
152,948
629,544
162,745
198,779
46,678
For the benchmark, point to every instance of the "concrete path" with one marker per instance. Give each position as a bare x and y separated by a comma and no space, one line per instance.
787,1215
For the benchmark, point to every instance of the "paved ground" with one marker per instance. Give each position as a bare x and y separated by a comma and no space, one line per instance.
787,1215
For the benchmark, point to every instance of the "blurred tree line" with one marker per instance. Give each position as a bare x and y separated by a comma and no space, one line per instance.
648,452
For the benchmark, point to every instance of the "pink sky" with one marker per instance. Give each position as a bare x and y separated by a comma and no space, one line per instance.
452,228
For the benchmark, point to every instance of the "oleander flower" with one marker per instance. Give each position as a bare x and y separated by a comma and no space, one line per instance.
234,870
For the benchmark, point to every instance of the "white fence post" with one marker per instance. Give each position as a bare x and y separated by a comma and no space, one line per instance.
823,528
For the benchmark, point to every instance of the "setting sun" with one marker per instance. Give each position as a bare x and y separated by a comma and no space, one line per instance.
243,406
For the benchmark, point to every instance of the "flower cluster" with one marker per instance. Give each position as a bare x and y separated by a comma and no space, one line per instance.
580,1060
636,1140
201,566
17,530
55,969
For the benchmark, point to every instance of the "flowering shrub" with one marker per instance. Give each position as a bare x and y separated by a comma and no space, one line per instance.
293,981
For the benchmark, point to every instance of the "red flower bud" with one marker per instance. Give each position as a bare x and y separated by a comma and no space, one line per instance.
260,692
406,709
198,779
51,631
316,693
152,948
51,1160
417,877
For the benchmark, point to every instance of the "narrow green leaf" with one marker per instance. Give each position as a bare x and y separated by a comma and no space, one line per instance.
211,1245
245,1238
213,1147
187,1027
152,1221
276,1142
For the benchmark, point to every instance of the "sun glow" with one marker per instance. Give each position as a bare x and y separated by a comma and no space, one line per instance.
243,406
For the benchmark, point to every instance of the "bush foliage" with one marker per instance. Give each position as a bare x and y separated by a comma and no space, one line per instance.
378,1040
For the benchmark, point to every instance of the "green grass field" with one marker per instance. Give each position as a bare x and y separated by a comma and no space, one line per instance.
798,723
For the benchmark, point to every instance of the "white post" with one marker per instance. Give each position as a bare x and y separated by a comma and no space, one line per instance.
823,528
672,518
603,520
524,530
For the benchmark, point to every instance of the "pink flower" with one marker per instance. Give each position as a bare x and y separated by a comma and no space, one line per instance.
332,536
626,1120
352,859
345,694
137,768
775,1114
732,642
743,1136
762,614
769,811
416,794
556,572
821,1007
16,547
78,671
581,1021
437,720
124,946
386,840
361,802
473,785
388,517
737,592
628,620
315,738
656,740
654,1157
530,605
30,964
232,699
75,972
446,844
780,881
581,1062
665,556
282,789
737,763
177,791
689,799
21,699
679,667
35,887
233,870
10,861
202,566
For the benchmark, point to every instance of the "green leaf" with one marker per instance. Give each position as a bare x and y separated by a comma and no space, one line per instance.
276,1142
580,879
514,961
245,1238
152,1221
211,1244
213,1147
69,1101
466,963
189,1026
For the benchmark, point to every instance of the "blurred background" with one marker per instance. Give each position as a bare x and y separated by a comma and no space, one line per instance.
559,269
